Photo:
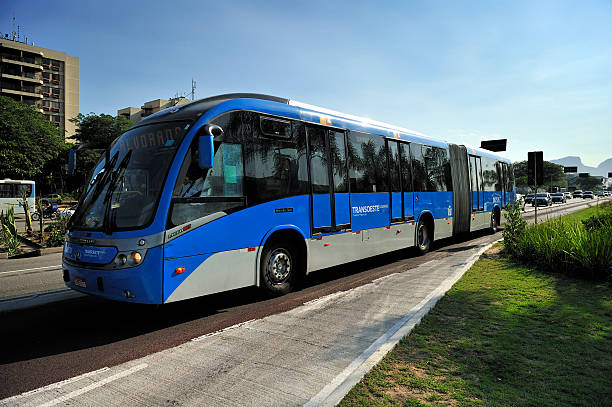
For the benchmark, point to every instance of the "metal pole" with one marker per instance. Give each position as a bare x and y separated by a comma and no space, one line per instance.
535,195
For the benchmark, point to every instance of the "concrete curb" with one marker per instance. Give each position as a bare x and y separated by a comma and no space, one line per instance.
38,299
33,253
335,391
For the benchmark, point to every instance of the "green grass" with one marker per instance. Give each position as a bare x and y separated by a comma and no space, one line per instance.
583,214
504,335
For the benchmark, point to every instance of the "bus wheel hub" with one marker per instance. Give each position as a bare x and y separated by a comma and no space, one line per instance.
279,265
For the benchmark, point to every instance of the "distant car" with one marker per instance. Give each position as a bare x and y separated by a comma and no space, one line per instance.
578,193
588,194
558,197
528,199
55,198
601,193
68,212
567,195
542,198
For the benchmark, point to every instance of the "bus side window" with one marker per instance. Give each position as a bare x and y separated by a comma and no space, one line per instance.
419,170
368,171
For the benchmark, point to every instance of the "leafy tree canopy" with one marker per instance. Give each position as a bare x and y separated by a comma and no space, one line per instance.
553,173
586,183
95,133
99,131
27,140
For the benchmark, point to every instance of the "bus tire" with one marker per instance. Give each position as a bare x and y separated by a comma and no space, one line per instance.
423,239
494,224
279,268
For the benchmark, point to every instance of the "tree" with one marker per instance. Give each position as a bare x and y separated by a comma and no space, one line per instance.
27,140
95,133
553,174
586,184
99,131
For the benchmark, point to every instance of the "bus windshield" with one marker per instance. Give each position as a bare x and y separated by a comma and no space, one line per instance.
127,182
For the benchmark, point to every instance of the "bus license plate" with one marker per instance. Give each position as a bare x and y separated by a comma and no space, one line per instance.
80,282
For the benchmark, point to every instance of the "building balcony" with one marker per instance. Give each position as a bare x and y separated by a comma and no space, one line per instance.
20,61
20,77
21,92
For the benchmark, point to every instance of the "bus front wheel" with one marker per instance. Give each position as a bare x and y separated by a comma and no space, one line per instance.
423,239
278,269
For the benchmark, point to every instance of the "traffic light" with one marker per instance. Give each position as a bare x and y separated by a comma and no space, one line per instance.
535,168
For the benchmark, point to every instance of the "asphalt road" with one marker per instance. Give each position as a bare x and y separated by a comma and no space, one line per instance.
47,344
34,275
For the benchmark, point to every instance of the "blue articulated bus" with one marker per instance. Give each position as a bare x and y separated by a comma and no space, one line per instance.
252,190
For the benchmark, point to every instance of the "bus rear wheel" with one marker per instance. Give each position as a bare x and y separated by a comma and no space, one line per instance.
494,224
423,240
278,269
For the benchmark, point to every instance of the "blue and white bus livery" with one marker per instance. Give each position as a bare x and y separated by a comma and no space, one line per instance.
243,189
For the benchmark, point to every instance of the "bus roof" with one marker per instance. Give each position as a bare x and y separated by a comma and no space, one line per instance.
193,110
15,181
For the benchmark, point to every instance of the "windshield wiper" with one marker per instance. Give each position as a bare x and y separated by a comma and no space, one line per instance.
108,226
98,184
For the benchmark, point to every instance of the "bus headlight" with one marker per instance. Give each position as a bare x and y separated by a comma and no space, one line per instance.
130,258
121,260
135,258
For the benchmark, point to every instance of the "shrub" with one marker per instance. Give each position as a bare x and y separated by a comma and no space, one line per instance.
565,247
602,218
57,233
8,234
514,228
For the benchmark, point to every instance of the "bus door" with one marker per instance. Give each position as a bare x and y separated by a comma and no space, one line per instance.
402,195
476,193
328,179
504,182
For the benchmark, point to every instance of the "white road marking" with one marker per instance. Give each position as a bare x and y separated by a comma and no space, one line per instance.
199,338
32,269
54,386
95,385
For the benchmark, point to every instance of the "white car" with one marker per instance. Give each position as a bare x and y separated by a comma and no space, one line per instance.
68,212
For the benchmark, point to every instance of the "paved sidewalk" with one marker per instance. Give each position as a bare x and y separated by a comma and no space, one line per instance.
310,355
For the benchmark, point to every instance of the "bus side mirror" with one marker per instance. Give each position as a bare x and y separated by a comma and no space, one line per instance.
206,146
71,161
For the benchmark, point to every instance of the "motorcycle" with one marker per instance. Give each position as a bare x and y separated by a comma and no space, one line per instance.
49,212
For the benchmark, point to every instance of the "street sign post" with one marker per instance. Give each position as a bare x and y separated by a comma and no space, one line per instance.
494,145
535,174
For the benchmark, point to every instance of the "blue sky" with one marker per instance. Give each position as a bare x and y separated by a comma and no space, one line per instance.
535,72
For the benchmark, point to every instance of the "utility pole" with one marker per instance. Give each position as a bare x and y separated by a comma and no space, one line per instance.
193,87
535,195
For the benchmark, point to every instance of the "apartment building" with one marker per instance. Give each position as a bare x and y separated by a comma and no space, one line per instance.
135,114
41,77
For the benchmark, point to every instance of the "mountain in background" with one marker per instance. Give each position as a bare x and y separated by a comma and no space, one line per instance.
572,161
